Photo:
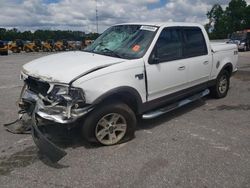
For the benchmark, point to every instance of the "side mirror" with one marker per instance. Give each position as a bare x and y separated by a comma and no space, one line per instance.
154,59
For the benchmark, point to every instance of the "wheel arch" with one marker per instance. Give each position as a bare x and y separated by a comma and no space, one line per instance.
126,94
228,67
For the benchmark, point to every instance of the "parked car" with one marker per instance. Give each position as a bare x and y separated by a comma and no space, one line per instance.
242,39
131,70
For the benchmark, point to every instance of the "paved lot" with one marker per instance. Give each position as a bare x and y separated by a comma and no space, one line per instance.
205,144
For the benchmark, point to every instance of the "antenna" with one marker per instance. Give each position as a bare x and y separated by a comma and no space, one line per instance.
96,12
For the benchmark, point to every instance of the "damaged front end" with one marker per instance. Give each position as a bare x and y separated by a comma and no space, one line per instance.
54,102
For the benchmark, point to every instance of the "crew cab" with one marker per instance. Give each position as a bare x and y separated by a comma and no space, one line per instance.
132,70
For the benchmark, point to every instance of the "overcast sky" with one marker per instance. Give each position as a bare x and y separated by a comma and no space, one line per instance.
81,15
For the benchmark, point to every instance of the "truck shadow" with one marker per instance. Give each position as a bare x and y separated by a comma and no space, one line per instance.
66,138
71,138
151,123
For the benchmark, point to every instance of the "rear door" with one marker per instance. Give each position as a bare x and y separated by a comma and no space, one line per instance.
196,55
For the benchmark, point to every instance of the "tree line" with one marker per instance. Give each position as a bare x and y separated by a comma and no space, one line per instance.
235,17
13,34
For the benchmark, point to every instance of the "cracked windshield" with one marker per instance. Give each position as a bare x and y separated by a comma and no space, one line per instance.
124,41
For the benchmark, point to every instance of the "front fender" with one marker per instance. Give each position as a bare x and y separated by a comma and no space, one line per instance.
105,82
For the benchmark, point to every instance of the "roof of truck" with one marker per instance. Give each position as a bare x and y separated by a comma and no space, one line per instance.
163,24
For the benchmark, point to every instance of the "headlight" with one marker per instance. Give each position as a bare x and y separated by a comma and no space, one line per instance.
76,94
61,92
242,43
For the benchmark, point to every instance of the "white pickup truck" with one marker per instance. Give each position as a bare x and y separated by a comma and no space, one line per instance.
132,70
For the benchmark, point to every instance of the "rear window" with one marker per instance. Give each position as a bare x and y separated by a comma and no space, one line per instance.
195,44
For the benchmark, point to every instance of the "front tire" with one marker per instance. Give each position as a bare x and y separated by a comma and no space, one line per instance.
109,124
220,89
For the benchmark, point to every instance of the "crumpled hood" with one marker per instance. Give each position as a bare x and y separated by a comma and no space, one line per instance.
64,67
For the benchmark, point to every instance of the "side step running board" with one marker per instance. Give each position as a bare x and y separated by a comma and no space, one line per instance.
158,112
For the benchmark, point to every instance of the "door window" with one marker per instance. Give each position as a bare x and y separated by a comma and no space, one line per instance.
195,44
169,45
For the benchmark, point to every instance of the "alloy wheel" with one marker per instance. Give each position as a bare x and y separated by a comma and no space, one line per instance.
111,128
223,84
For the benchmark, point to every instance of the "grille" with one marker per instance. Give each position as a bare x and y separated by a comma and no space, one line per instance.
37,86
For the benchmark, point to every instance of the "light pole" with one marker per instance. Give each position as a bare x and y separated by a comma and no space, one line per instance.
96,12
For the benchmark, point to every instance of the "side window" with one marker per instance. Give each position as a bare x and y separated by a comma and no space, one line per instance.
169,45
195,44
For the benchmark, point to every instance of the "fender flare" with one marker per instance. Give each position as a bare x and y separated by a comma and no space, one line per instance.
121,91
229,66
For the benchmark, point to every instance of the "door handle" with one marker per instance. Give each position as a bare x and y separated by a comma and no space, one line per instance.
181,68
205,62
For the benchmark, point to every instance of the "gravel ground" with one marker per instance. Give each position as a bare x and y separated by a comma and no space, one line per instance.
204,144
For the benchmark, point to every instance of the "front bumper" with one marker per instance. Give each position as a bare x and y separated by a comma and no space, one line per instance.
45,146
36,109
57,114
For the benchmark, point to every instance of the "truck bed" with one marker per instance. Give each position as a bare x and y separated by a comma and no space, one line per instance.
223,53
222,46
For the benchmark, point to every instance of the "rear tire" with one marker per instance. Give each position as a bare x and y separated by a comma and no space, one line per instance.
109,124
220,89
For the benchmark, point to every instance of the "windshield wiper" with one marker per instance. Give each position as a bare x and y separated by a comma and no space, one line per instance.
104,51
111,52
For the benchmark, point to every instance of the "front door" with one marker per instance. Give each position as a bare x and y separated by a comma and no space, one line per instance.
170,73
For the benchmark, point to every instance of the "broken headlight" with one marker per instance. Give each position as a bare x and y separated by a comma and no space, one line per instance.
66,93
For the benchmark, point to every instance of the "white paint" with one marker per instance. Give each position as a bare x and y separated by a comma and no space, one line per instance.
63,67
163,79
